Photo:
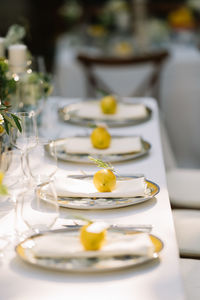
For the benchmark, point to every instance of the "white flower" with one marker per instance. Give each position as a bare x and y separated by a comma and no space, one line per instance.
1,119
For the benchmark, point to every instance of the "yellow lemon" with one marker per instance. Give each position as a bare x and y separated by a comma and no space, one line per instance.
108,105
182,17
1,177
92,239
104,180
100,138
123,48
1,129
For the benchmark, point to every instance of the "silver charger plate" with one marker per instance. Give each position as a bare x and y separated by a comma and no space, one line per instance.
85,265
83,158
68,113
104,203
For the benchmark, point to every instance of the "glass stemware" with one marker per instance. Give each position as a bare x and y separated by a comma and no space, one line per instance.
27,137
10,166
42,161
40,209
40,212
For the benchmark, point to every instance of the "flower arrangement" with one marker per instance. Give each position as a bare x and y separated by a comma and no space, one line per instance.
25,90
7,87
14,35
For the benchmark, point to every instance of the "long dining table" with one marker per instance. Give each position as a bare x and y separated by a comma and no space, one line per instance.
155,280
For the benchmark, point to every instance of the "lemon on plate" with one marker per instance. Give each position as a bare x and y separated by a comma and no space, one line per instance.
104,180
108,104
1,177
93,235
100,138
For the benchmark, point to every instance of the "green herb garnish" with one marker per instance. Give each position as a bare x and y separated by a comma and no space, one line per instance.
102,164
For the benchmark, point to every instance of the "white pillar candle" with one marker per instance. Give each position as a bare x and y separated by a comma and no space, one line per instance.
2,48
17,57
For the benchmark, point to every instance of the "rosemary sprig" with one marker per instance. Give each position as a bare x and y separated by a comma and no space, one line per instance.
102,92
102,164
81,218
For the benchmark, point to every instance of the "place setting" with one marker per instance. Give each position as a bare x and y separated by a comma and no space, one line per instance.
85,191
113,110
102,145
94,246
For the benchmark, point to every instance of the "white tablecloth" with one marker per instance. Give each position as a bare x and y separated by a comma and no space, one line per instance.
180,93
156,281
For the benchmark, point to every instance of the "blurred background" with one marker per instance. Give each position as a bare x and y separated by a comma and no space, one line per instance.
100,20
59,30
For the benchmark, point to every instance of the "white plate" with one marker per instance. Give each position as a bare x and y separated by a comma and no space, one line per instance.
83,158
68,113
104,203
83,265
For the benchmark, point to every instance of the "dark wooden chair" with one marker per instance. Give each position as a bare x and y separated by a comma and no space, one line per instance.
94,83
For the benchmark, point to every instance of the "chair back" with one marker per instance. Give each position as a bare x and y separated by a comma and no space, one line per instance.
151,82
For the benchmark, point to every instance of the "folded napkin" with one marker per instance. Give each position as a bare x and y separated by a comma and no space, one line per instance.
67,245
121,145
92,110
70,187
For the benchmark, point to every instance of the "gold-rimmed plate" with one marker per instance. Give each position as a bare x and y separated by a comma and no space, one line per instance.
69,114
63,155
89,203
82,264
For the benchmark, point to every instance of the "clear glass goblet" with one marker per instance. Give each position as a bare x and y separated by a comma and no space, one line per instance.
40,210
27,137
16,185
42,161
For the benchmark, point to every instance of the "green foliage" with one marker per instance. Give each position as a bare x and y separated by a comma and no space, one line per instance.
7,87
101,164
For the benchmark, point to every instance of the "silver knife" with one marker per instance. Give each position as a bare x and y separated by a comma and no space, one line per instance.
91,176
119,227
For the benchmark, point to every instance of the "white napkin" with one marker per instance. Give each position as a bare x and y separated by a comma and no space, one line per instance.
122,145
92,110
70,187
69,245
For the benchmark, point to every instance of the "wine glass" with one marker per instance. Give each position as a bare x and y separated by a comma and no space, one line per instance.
27,137
42,161
38,87
40,208
10,166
